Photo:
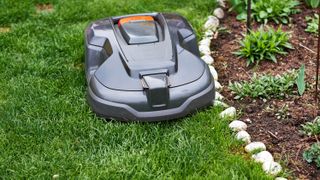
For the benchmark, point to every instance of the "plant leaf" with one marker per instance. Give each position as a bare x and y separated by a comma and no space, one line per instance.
273,57
242,16
314,3
284,20
269,10
263,14
307,156
300,80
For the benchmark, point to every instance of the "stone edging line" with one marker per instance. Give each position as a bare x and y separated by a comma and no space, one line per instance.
258,150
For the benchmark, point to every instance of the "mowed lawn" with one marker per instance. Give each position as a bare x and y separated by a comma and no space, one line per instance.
47,128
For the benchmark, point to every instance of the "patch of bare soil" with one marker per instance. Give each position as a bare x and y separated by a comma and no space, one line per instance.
44,8
281,136
5,29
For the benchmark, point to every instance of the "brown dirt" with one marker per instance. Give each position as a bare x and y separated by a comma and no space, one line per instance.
44,8
5,29
281,136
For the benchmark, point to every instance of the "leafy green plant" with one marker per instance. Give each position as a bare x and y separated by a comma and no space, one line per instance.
300,80
276,10
313,23
239,6
264,45
313,154
265,10
265,86
312,3
312,128
283,112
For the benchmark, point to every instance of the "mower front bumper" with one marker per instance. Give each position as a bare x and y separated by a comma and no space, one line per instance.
123,112
134,106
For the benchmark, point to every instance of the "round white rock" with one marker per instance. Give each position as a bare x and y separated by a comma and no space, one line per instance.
204,49
237,125
212,23
254,146
221,3
263,157
229,112
243,136
208,33
205,41
218,96
207,59
213,72
272,168
219,103
218,13
280,178
217,85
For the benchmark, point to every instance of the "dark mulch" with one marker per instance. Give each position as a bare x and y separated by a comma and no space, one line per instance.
281,136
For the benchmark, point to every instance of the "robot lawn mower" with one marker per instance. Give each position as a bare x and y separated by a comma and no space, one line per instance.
145,67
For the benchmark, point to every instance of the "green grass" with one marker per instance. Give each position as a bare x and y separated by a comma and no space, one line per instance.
47,128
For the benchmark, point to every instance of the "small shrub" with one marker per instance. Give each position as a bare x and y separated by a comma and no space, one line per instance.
264,45
265,86
312,24
311,128
313,154
313,3
265,10
276,10
283,112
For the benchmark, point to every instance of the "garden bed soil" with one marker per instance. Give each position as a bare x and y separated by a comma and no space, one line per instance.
281,136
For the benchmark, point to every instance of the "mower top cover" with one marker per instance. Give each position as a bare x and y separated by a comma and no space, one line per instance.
138,29
145,67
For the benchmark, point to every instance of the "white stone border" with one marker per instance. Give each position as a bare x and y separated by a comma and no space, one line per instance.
257,149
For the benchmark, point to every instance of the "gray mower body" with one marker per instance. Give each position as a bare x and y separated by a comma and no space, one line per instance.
145,67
